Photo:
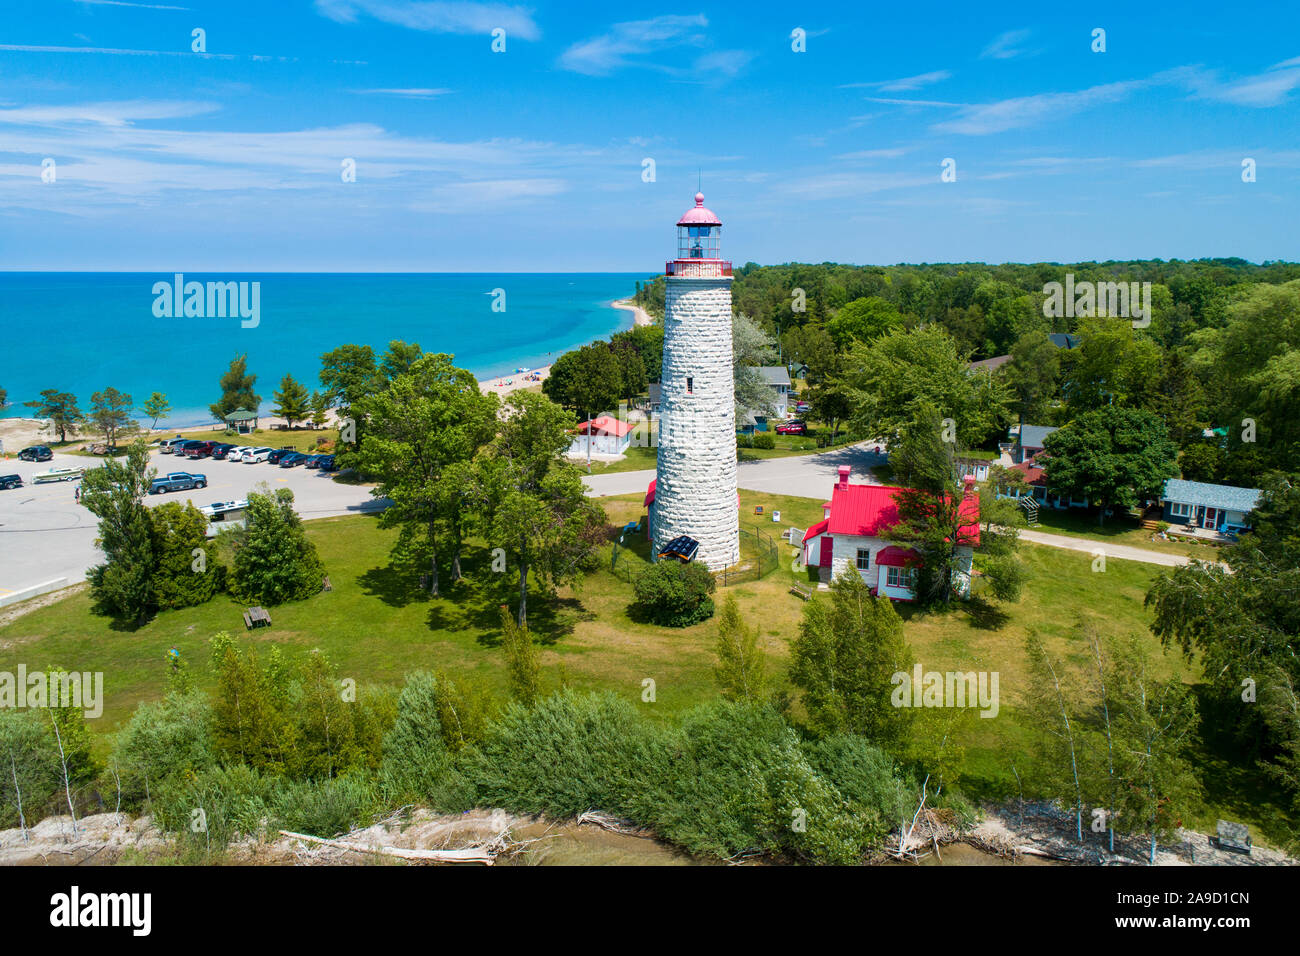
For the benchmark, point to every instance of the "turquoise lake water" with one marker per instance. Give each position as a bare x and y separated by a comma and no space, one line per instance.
82,332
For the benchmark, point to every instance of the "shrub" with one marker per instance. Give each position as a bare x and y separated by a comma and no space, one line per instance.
417,762
326,807
162,741
28,751
745,441
209,810
569,753
740,782
673,594
765,440
866,778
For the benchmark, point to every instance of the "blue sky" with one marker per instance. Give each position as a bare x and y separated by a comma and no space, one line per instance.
531,159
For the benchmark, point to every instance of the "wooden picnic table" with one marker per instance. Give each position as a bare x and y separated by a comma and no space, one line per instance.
256,617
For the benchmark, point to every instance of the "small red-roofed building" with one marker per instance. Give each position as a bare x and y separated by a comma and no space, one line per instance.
851,535
607,434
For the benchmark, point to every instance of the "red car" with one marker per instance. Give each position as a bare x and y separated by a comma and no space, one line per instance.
792,428
200,449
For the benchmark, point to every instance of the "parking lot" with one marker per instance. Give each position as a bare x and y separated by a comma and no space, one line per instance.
45,534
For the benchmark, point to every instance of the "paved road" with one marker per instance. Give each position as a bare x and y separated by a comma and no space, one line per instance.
1120,551
45,534
804,476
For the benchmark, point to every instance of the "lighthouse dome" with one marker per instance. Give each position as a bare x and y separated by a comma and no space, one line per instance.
699,215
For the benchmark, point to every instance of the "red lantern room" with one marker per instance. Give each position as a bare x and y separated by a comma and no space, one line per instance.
699,237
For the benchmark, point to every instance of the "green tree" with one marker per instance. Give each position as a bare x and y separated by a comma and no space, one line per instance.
187,571
863,320
417,761
1032,375
400,358
740,668
349,374
164,740
110,414
849,648
1111,456
1112,365
530,502
123,586
427,421
938,514
1053,716
292,401
523,667
586,381
274,560
902,369
236,390
155,408
751,348
60,408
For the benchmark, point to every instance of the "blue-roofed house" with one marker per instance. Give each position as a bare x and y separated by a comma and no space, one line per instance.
1029,442
1197,504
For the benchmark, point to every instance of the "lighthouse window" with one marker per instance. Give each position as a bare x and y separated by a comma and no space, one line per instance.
690,384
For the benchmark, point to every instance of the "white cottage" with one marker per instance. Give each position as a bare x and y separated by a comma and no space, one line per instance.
850,536
606,434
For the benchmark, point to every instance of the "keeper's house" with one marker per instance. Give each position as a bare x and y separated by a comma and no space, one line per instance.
849,536
1196,504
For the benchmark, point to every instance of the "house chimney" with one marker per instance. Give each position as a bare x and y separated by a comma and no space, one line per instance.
844,476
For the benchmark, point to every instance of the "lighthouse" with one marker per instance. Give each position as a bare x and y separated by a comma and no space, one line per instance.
695,477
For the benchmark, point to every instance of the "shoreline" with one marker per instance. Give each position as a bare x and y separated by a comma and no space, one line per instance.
22,432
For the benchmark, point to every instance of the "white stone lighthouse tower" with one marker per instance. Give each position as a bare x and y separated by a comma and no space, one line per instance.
695,483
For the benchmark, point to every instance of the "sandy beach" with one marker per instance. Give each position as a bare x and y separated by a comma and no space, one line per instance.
639,315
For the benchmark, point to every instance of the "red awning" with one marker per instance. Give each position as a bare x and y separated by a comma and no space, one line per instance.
896,557
650,493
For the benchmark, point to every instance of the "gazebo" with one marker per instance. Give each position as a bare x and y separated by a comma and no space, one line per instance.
239,421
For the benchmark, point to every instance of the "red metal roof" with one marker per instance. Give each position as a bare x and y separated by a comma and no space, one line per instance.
650,493
815,530
607,425
868,510
699,216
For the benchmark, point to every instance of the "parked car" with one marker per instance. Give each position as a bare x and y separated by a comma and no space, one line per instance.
35,453
792,428
168,445
276,456
222,449
11,481
177,481
57,474
327,463
313,461
292,459
200,449
252,456
802,406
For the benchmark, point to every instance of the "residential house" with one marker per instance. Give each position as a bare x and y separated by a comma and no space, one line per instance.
1064,340
1036,479
778,378
1197,504
990,364
607,436
850,536
1029,441
655,391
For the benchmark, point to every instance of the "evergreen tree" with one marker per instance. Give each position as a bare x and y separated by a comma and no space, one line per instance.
274,560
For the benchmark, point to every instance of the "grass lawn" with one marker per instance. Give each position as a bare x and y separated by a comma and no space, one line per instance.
1118,529
376,626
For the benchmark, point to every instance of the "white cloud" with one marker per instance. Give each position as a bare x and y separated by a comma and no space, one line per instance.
644,43
123,3
103,114
981,119
410,93
903,84
1006,46
1270,88
457,16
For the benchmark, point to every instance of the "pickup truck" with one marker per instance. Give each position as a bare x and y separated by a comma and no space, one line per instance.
177,481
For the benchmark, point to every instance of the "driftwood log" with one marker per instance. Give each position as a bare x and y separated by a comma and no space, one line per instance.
485,854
